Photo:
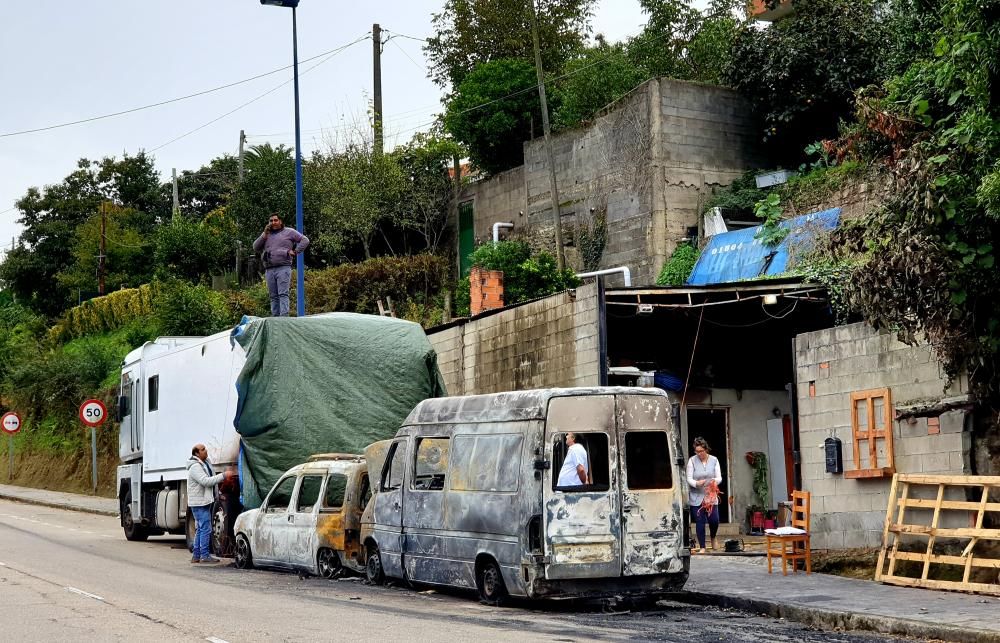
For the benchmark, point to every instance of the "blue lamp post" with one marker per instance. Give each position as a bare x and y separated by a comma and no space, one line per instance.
300,264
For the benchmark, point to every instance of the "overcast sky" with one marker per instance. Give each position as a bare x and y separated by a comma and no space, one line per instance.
70,60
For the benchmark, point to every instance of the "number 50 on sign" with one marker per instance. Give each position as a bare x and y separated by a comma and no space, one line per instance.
93,412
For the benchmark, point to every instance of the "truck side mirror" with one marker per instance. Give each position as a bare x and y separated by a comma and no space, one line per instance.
123,408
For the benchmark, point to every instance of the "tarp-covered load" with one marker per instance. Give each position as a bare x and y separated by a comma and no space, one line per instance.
330,383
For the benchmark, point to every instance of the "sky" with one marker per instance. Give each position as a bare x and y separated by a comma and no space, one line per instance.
66,61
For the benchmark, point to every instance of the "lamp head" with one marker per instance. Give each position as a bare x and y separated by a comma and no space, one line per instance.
281,3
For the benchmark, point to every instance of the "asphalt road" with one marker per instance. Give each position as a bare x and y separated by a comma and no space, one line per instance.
72,576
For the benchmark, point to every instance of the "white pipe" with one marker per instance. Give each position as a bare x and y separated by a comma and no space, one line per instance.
496,229
626,274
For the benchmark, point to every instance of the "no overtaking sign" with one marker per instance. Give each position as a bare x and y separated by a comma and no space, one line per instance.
10,423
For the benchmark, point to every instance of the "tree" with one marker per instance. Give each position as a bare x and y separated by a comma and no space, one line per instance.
208,188
424,205
596,77
268,186
495,134
474,32
191,250
800,74
126,254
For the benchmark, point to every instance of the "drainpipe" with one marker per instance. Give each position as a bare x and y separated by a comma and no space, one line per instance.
496,229
626,274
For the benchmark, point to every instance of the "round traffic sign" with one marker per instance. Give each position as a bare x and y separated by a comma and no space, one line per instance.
10,423
93,412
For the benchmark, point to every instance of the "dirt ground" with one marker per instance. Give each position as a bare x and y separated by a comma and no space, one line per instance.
59,472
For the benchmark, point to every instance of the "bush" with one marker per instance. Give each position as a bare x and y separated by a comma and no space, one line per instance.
677,269
189,250
183,309
524,276
103,314
356,287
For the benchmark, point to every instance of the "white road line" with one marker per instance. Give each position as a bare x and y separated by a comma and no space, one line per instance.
3,564
83,593
212,639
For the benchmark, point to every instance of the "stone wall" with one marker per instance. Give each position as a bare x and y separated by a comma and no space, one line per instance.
833,363
548,342
643,165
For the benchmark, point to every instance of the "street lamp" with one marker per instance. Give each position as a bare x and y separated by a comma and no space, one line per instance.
300,264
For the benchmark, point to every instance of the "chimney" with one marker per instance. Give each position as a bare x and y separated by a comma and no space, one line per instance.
485,290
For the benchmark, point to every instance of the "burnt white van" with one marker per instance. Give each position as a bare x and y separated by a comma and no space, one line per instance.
468,496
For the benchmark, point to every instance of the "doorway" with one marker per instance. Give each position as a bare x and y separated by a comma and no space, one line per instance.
713,425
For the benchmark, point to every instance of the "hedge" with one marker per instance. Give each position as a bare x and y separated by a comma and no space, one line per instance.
103,314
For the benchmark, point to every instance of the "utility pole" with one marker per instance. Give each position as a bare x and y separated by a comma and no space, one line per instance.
177,200
243,140
100,256
553,187
377,92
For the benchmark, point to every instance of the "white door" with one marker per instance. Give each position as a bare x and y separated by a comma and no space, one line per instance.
776,461
303,538
274,523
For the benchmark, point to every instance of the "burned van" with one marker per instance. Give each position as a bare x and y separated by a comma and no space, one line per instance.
469,495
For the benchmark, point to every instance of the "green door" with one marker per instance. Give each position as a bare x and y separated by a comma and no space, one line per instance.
466,237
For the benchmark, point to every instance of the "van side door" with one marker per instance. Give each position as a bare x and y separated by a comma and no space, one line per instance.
582,521
388,510
651,487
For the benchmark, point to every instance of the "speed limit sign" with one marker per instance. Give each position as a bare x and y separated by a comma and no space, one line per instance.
93,412
10,423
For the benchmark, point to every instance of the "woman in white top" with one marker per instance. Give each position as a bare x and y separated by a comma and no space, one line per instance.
702,468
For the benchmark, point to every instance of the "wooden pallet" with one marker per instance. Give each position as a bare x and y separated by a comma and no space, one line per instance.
902,497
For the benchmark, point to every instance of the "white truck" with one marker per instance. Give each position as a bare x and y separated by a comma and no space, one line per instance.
175,392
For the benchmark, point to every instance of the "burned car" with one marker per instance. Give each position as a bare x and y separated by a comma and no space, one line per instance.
468,494
310,520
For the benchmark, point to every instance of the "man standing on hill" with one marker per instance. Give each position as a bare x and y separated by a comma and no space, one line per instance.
278,246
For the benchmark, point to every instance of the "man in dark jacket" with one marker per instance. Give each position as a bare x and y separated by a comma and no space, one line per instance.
278,246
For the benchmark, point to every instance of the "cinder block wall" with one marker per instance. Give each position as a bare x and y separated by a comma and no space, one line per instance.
833,363
549,342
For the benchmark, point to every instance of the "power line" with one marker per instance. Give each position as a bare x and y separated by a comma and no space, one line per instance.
330,55
415,63
396,34
169,101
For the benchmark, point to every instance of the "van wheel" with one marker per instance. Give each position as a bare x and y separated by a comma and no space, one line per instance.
489,580
373,566
329,565
133,531
244,557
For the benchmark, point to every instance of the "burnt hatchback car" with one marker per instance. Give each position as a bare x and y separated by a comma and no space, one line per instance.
310,520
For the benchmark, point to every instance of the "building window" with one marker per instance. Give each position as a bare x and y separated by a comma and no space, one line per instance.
871,424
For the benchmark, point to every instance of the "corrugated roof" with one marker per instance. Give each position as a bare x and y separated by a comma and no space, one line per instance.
739,255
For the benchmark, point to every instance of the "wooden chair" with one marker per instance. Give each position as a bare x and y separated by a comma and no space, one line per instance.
793,547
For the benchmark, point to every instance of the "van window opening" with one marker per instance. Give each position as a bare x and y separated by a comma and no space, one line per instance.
392,474
153,392
308,493
647,460
281,496
596,446
336,489
488,463
366,490
430,464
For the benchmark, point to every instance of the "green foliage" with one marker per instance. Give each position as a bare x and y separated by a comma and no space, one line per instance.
677,269
739,196
761,488
207,188
593,238
494,135
183,309
595,78
103,314
926,260
768,209
423,205
469,33
187,249
268,186
800,73
525,276
357,287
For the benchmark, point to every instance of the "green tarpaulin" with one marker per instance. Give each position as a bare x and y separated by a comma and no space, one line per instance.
330,383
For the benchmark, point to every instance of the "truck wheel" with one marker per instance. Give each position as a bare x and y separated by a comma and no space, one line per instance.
373,566
328,563
221,545
133,531
190,530
244,557
489,581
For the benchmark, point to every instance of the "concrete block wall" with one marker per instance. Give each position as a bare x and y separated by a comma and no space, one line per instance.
549,342
833,363
648,163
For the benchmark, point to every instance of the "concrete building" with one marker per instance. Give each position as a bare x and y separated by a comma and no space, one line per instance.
630,183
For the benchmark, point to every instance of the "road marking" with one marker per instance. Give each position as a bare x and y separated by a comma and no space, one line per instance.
212,639
83,593
3,564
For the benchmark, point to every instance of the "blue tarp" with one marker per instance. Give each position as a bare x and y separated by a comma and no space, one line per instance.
739,255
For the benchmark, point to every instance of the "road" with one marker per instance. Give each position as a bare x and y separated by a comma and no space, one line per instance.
72,576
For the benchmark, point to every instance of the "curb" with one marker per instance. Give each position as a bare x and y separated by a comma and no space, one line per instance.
841,620
57,505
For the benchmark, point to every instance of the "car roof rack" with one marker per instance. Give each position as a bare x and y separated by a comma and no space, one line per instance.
316,457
